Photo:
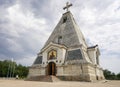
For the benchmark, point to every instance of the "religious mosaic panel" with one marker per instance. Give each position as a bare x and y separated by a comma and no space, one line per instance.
52,54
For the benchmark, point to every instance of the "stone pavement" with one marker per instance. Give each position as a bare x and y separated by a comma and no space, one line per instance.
22,83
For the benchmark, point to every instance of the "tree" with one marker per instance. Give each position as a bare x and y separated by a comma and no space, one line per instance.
11,69
22,71
4,65
118,76
109,75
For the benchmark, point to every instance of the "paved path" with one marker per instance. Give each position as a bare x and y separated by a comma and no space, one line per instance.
21,83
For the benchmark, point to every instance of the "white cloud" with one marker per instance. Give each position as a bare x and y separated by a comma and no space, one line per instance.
23,32
88,15
13,46
26,23
110,62
26,19
111,12
27,61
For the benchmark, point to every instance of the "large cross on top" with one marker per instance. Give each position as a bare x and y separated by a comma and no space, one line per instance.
67,6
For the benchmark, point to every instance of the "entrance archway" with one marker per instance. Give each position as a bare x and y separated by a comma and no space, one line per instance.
52,68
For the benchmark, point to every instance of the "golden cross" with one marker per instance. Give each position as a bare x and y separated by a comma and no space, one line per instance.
67,6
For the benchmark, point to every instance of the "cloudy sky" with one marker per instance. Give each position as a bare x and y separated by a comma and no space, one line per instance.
25,25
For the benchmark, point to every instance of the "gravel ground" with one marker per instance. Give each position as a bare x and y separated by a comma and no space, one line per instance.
22,83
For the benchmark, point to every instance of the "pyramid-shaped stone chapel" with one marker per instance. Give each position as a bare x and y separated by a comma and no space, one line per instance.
66,54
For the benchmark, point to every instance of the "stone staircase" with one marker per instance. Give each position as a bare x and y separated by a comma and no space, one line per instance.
47,79
43,78
55,79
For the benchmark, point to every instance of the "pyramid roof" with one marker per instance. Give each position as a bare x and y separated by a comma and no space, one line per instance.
67,33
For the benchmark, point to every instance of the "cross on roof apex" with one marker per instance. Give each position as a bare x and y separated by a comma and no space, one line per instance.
67,6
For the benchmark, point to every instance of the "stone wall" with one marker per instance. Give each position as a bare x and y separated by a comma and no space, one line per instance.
36,71
71,72
84,72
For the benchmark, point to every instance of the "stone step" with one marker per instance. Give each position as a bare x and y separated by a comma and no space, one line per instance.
55,79
47,79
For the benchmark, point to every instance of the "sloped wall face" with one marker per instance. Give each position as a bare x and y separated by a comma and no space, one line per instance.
68,31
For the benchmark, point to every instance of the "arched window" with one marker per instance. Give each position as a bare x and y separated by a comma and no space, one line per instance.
64,19
60,40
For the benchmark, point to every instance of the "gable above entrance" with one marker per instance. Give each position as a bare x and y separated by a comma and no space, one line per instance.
51,46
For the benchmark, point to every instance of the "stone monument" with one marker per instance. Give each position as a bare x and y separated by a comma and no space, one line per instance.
66,54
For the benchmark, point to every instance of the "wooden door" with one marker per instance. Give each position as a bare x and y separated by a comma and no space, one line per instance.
51,68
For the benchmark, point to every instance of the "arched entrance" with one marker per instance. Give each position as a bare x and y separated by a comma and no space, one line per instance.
51,68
